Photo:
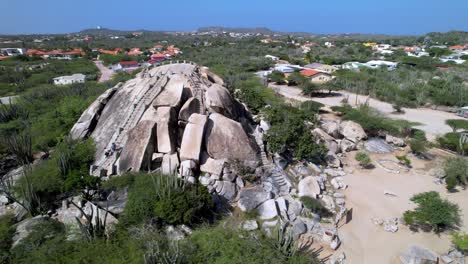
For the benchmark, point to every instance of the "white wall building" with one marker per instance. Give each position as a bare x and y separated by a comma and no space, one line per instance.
70,79
374,64
273,58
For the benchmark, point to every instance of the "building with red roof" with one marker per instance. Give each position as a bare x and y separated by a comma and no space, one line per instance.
457,47
316,76
127,66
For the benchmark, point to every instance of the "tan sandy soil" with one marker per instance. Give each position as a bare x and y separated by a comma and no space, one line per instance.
432,121
106,73
363,241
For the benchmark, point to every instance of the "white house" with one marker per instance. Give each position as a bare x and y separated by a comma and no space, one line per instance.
70,79
374,64
285,68
352,65
12,51
271,57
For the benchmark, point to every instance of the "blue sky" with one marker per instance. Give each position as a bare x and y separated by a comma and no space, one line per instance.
330,16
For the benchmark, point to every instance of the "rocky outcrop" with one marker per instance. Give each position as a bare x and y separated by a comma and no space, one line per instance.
191,146
218,100
352,131
309,187
251,198
165,116
90,117
226,139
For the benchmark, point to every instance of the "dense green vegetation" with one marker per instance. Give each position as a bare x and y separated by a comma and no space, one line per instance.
363,159
18,76
407,86
432,211
290,136
167,200
451,141
460,241
456,172
374,122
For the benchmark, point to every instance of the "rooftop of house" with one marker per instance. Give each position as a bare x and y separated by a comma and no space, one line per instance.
76,76
310,72
128,63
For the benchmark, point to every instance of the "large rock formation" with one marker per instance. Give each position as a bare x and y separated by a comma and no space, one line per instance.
174,118
226,139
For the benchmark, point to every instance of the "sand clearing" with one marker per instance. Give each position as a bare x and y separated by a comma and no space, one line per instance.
365,242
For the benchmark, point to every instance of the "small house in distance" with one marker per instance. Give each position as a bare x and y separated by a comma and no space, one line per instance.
321,67
316,76
70,79
463,112
127,66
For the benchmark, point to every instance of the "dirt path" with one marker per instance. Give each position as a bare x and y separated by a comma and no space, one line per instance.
432,121
106,73
363,241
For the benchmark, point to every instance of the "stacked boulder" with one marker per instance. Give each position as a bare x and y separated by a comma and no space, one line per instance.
339,137
176,119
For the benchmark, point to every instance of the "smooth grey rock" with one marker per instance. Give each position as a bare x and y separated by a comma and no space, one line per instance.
352,131
347,145
191,106
377,145
332,128
251,198
229,190
191,146
226,140
298,228
395,141
416,254
309,187
267,210
250,225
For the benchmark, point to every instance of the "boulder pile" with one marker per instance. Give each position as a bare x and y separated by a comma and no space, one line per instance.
176,118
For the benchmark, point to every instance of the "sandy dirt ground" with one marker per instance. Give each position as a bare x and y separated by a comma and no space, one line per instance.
432,121
363,241
106,73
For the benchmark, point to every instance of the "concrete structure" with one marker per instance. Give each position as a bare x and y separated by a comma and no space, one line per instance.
374,64
70,79
321,67
12,51
463,111
273,58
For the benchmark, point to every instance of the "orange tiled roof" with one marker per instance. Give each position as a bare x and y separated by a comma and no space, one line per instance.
309,72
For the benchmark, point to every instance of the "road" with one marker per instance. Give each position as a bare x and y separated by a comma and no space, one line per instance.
106,73
432,121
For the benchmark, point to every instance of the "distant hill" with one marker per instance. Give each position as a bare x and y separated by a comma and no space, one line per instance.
261,30
450,38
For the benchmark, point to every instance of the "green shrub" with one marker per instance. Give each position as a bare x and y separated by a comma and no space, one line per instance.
373,121
456,172
41,233
404,160
311,107
418,146
314,205
432,211
456,124
167,200
363,159
277,77
419,135
7,231
119,182
288,135
451,141
460,241
223,245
